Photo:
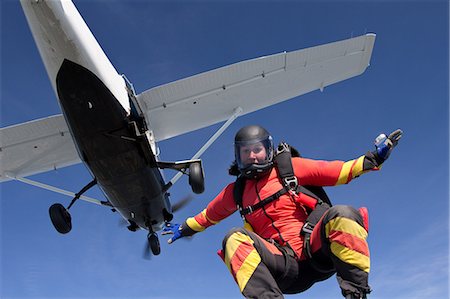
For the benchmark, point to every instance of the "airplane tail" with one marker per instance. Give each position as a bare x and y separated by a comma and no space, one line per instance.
61,33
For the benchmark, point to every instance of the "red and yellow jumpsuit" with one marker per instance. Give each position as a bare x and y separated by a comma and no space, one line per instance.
263,269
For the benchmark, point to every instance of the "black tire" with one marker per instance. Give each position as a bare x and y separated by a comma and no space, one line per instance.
61,219
154,244
196,178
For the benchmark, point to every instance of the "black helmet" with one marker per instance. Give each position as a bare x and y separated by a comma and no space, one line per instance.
252,135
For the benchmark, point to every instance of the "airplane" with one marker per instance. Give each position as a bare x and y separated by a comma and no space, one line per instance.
114,131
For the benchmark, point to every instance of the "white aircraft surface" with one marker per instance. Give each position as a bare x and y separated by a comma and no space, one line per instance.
115,131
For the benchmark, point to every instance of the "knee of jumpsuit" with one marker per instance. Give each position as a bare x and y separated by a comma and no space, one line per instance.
346,230
240,256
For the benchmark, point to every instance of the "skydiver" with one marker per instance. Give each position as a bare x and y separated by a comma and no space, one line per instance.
271,256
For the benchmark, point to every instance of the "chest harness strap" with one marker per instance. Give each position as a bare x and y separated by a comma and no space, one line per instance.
283,164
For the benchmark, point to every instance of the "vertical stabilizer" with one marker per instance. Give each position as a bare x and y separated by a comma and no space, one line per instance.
61,33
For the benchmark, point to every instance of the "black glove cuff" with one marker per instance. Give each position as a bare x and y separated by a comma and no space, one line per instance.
186,231
372,160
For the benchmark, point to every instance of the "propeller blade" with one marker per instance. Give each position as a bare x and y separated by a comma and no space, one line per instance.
147,255
182,203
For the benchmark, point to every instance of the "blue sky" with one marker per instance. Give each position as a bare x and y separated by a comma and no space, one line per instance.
155,42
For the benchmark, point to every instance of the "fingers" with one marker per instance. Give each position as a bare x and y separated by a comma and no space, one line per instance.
395,136
172,229
174,238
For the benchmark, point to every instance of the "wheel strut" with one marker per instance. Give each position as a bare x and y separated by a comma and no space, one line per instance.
60,216
152,239
153,242
85,188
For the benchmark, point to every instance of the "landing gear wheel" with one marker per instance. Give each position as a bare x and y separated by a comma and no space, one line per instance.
61,219
153,241
196,179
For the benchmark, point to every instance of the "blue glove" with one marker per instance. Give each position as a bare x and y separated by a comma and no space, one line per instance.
384,145
172,229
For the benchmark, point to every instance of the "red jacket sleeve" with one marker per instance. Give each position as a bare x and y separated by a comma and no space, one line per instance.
328,173
219,208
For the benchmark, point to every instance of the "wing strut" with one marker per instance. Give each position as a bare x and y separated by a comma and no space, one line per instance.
58,190
237,111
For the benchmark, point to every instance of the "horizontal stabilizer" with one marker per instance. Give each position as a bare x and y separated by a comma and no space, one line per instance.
36,146
211,97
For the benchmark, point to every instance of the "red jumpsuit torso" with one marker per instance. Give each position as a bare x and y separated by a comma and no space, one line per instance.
282,219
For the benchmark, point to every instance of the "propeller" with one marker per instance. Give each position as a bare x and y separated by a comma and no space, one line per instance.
182,203
147,254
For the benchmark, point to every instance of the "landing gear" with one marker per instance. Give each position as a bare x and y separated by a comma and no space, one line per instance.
196,178
60,216
61,219
152,246
153,243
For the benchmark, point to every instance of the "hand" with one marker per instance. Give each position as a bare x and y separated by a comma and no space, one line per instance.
172,229
384,145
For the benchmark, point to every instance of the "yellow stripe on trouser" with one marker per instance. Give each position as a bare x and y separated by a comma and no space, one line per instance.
347,226
248,226
248,267
345,254
250,263
352,169
351,257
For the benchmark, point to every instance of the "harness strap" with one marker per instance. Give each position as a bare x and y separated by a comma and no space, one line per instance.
238,192
306,191
314,217
307,229
286,248
262,203
314,264
284,166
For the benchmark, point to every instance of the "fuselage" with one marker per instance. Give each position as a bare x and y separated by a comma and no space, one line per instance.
96,106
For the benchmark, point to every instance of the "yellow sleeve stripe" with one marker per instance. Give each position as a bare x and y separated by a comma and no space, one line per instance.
350,170
345,171
347,226
351,257
207,218
358,168
194,225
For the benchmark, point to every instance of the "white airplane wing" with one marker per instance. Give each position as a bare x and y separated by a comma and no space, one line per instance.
36,146
195,102
211,97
